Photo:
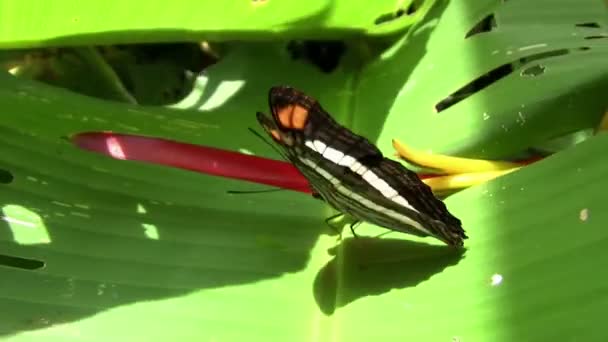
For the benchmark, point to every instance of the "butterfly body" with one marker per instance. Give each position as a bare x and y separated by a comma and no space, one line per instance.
351,174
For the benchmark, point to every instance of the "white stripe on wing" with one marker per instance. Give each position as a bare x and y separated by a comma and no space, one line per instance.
364,201
338,157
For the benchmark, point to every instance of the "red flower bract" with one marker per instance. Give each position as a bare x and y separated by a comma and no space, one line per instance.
203,159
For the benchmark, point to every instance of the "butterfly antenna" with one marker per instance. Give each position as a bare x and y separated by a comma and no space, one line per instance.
257,134
253,191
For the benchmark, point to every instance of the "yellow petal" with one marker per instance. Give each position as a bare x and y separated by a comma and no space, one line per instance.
603,126
449,164
463,180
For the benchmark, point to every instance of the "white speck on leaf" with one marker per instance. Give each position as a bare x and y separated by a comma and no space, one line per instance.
245,151
486,116
101,289
584,215
534,46
522,118
496,279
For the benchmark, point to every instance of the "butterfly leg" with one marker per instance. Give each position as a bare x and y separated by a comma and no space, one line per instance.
353,226
382,234
327,220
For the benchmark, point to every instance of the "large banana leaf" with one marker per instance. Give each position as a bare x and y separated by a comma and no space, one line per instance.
139,252
524,82
70,22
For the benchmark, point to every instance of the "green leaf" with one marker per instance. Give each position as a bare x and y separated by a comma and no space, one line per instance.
512,113
115,235
70,22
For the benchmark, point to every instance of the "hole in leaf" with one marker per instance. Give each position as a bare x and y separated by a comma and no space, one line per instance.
491,77
128,84
476,85
486,24
325,55
542,55
533,70
590,25
388,17
413,7
22,263
601,36
6,177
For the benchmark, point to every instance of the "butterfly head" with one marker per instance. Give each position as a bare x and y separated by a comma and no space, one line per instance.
290,115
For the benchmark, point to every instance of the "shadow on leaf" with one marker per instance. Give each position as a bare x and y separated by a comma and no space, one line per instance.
371,266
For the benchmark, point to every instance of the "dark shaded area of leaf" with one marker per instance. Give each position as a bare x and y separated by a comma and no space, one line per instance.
148,74
326,55
372,266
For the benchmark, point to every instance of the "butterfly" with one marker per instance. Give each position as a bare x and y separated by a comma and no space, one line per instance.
350,173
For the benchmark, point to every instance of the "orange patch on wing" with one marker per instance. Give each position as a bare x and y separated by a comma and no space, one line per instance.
293,116
299,117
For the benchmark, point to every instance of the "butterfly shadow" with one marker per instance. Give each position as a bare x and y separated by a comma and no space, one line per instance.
371,266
